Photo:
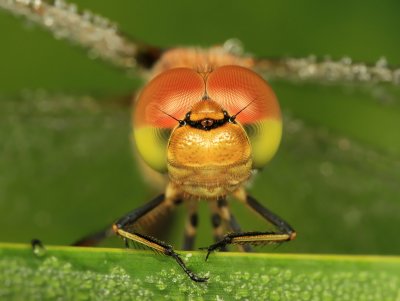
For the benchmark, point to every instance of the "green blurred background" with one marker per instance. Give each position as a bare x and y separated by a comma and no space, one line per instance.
66,164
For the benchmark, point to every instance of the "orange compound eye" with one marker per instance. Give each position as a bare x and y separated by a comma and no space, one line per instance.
235,87
172,92
175,91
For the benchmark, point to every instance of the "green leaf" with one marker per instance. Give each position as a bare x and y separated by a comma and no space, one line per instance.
67,273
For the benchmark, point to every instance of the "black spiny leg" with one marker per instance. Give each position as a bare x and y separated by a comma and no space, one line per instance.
235,227
285,231
94,239
124,225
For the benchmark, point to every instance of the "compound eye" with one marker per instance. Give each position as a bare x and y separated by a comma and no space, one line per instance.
234,88
171,93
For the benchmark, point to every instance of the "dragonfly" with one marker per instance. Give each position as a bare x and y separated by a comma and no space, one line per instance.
195,70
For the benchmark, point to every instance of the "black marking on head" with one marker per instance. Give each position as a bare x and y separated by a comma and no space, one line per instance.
207,124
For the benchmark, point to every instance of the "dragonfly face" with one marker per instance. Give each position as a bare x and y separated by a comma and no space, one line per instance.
207,128
208,156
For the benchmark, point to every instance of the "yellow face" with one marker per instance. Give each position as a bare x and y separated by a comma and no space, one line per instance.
207,130
209,153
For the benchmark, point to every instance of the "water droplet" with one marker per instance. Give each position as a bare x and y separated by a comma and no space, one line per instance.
346,60
72,8
161,285
228,289
87,15
234,46
287,275
381,63
396,77
188,256
59,4
48,21
36,4
38,248
274,296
